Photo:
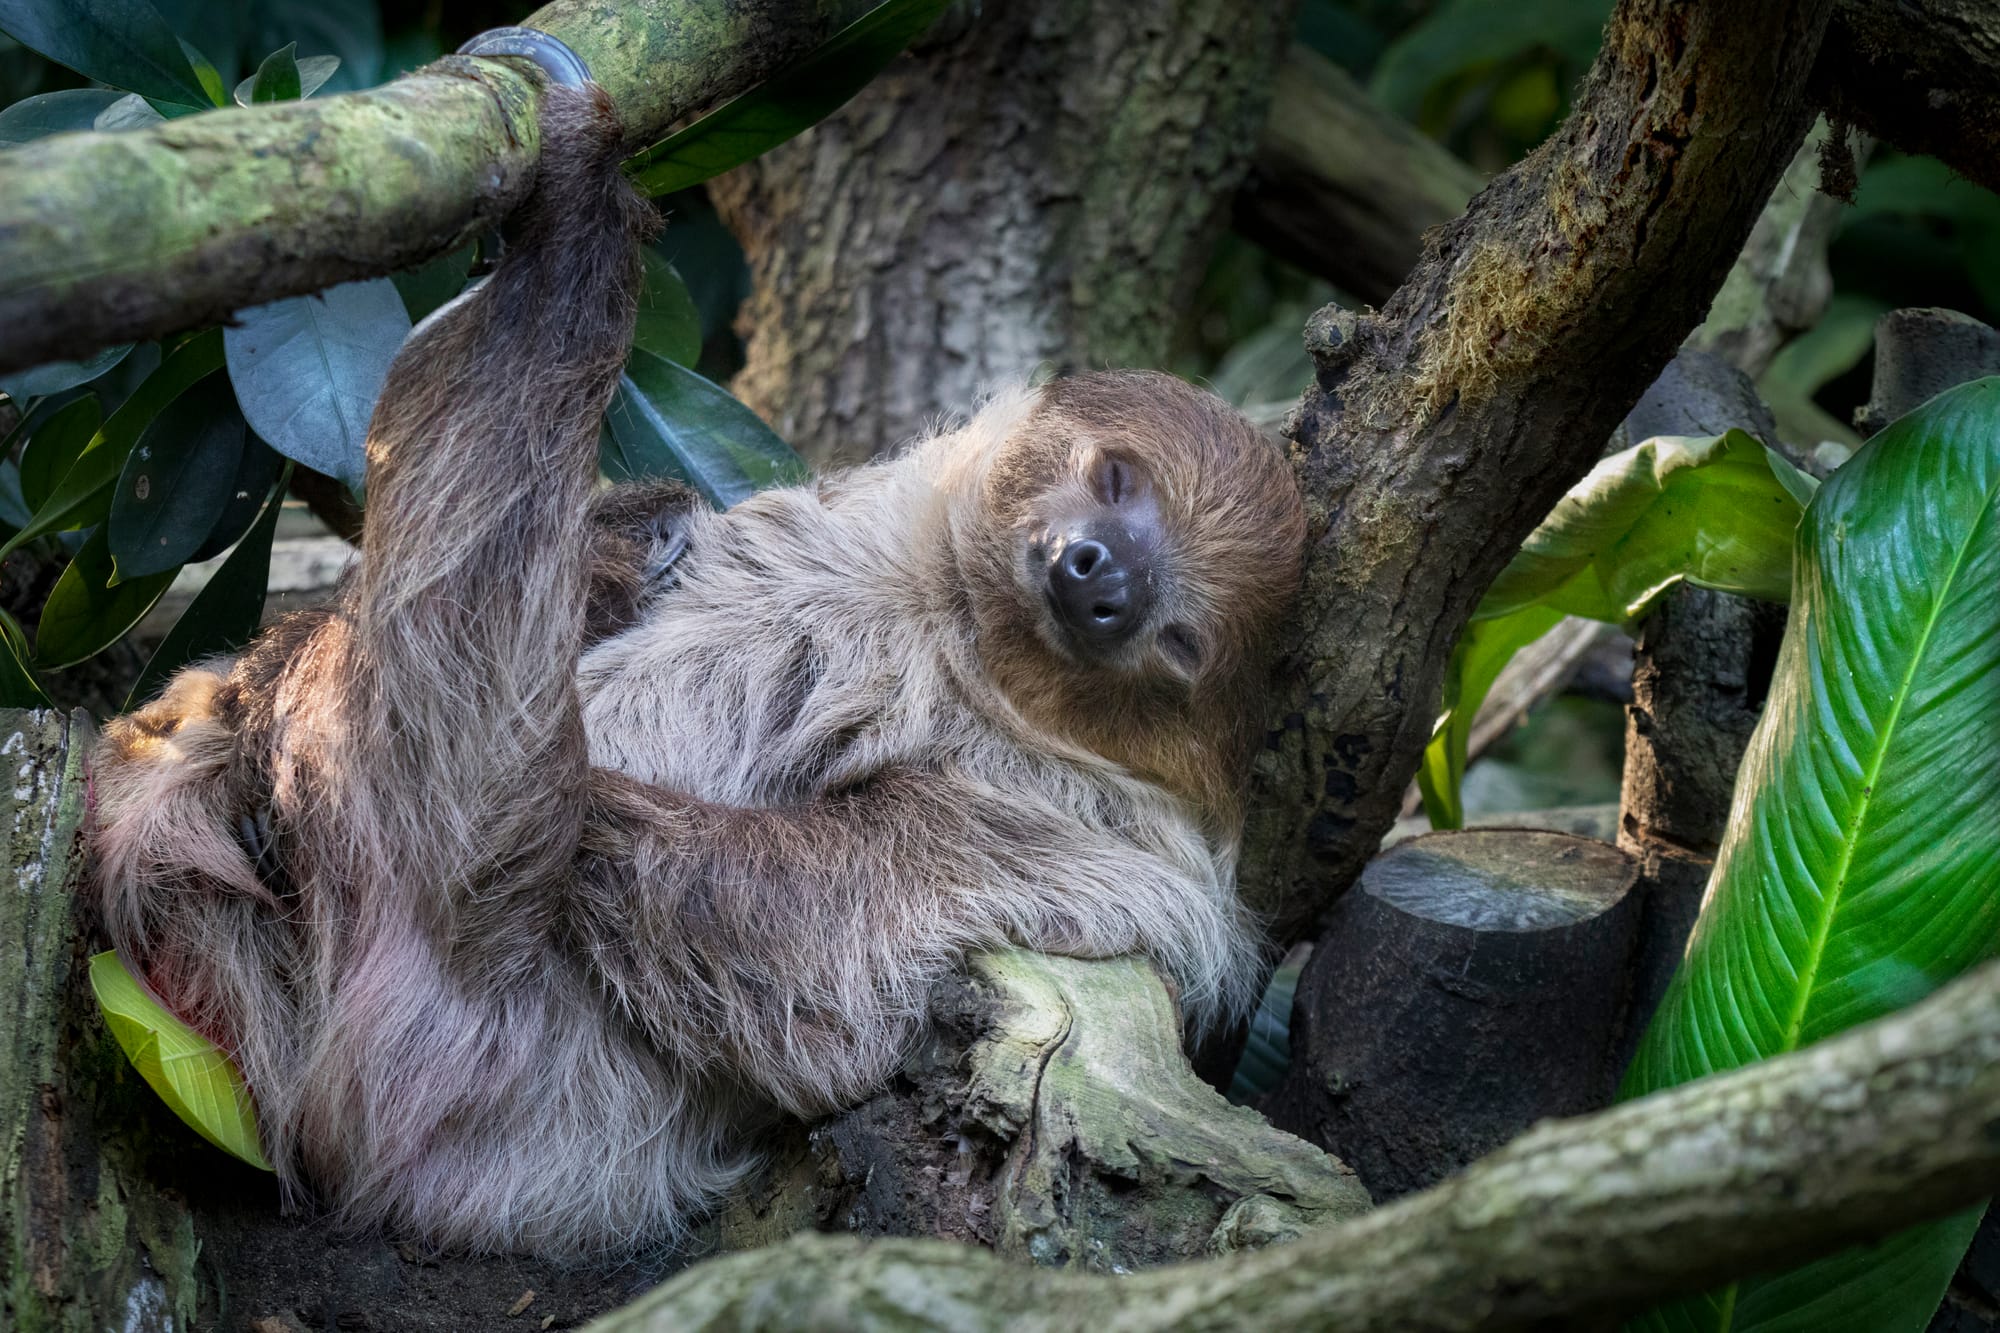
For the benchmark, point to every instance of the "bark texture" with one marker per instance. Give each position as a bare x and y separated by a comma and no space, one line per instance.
114,238
1572,1225
1471,984
1442,429
1052,1117
1039,184
1923,74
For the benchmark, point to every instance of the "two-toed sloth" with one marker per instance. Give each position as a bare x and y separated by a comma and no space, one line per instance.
584,832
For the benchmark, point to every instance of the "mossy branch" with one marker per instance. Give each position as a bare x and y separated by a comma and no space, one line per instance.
115,237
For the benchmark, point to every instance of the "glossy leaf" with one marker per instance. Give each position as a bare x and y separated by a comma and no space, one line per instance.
307,370
62,112
1861,867
667,421
226,612
427,287
56,376
191,1074
177,481
1718,513
350,30
795,100
1476,662
668,325
83,496
18,686
54,447
277,79
124,43
256,470
205,73
130,112
87,612
313,71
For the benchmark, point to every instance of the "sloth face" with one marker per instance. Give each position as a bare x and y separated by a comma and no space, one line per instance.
1136,556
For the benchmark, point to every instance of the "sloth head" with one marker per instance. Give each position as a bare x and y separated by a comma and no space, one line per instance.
1132,549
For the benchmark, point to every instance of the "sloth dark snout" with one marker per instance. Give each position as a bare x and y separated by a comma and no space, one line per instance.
1098,587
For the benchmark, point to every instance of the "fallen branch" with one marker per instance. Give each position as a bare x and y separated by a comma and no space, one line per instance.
1577,1220
117,237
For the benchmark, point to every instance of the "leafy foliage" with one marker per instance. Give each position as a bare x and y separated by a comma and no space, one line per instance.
1718,513
1861,868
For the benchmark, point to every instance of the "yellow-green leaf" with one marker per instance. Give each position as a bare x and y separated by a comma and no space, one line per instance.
192,1075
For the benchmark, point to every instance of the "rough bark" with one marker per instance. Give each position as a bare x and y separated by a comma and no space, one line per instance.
1343,187
1922,74
1570,1226
1052,1116
1443,428
119,237
1471,984
1039,186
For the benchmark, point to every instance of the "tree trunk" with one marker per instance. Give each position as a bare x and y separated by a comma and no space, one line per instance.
1039,184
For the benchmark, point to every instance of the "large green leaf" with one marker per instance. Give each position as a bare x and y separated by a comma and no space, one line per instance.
124,43
83,496
799,97
1861,867
226,612
191,1074
55,376
54,448
255,471
89,609
668,324
430,285
62,112
667,421
18,686
1476,661
1717,512
307,371
177,481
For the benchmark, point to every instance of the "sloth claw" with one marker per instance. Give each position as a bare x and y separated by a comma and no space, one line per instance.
556,60
254,831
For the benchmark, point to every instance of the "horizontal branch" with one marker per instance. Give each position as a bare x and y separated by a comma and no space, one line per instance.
1922,74
116,237
1590,1218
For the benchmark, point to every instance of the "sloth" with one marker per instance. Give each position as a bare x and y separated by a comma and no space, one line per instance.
588,831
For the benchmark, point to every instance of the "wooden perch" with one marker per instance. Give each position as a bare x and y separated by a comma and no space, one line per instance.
1053,1117
1471,984
1572,1225
117,237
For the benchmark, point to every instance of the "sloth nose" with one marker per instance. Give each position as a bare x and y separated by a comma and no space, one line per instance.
1095,591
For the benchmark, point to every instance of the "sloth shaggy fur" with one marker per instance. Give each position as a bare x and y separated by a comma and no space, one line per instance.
587,831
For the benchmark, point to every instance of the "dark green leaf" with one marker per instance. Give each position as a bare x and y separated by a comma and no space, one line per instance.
255,471
124,43
348,29
54,447
14,511
86,613
277,79
53,113
225,613
307,370
313,72
668,323
83,496
429,286
1861,866
18,686
798,98
667,421
177,481
55,376
205,73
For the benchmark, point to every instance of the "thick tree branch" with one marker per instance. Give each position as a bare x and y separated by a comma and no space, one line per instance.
115,237
1443,428
1923,74
1571,1225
